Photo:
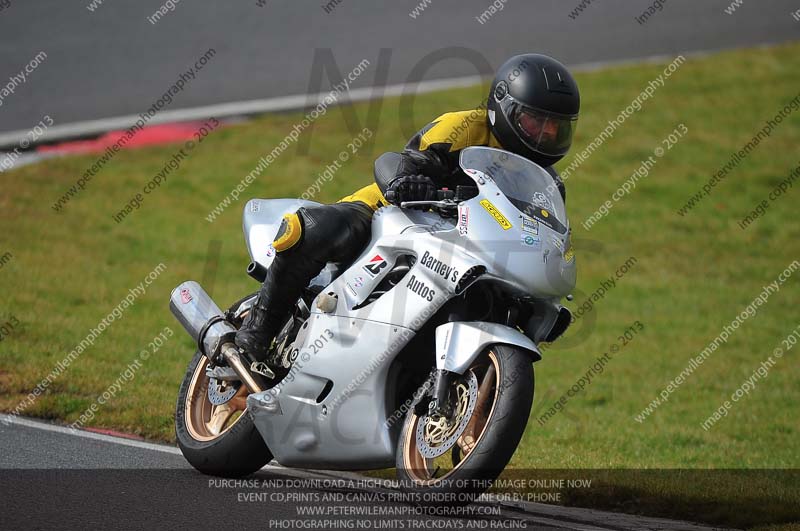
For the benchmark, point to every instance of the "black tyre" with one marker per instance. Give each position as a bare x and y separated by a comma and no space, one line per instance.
220,440
467,460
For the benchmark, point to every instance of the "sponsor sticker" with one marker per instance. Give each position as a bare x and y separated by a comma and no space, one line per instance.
420,288
530,241
270,251
374,266
463,220
351,290
445,344
530,225
558,243
498,217
569,255
541,200
358,282
548,220
439,267
186,296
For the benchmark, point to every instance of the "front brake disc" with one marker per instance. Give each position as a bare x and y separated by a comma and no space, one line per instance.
464,413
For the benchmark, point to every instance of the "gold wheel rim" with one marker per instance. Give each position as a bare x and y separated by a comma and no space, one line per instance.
205,421
423,470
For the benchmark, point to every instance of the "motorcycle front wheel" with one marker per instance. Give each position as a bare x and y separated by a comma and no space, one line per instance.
452,461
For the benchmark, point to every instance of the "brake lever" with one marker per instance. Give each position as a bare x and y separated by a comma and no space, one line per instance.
445,203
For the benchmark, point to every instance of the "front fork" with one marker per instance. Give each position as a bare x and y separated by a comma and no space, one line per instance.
438,401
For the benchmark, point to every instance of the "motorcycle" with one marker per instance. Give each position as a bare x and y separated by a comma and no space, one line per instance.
417,356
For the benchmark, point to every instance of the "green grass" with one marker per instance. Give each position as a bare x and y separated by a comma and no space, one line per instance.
694,275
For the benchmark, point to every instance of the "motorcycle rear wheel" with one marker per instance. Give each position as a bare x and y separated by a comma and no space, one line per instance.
219,440
216,440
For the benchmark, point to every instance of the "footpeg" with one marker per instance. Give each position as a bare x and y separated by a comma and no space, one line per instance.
253,381
225,374
259,367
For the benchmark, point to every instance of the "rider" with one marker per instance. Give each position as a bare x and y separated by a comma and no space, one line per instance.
532,110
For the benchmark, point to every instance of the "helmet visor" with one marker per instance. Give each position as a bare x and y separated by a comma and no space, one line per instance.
544,132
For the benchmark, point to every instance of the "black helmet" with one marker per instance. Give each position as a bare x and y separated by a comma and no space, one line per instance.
533,108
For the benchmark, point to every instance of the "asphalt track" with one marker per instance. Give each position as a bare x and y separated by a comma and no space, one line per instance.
52,477
114,62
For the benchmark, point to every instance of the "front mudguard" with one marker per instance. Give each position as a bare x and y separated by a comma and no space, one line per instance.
459,343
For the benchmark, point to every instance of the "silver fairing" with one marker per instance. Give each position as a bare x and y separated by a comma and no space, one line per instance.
350,351
332,410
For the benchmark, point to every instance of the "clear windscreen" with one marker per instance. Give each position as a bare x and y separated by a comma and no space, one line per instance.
527,185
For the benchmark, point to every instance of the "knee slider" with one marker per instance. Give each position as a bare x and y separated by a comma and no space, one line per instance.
289,232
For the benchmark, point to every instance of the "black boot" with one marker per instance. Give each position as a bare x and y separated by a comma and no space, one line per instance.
289,273
255,336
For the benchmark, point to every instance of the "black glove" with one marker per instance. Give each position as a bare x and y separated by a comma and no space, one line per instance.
411,188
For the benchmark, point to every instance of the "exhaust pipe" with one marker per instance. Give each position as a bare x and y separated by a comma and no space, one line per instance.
257,271
202,319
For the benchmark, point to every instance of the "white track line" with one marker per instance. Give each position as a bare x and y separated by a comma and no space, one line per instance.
46,426
29,423
25,158
301,101
9,419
